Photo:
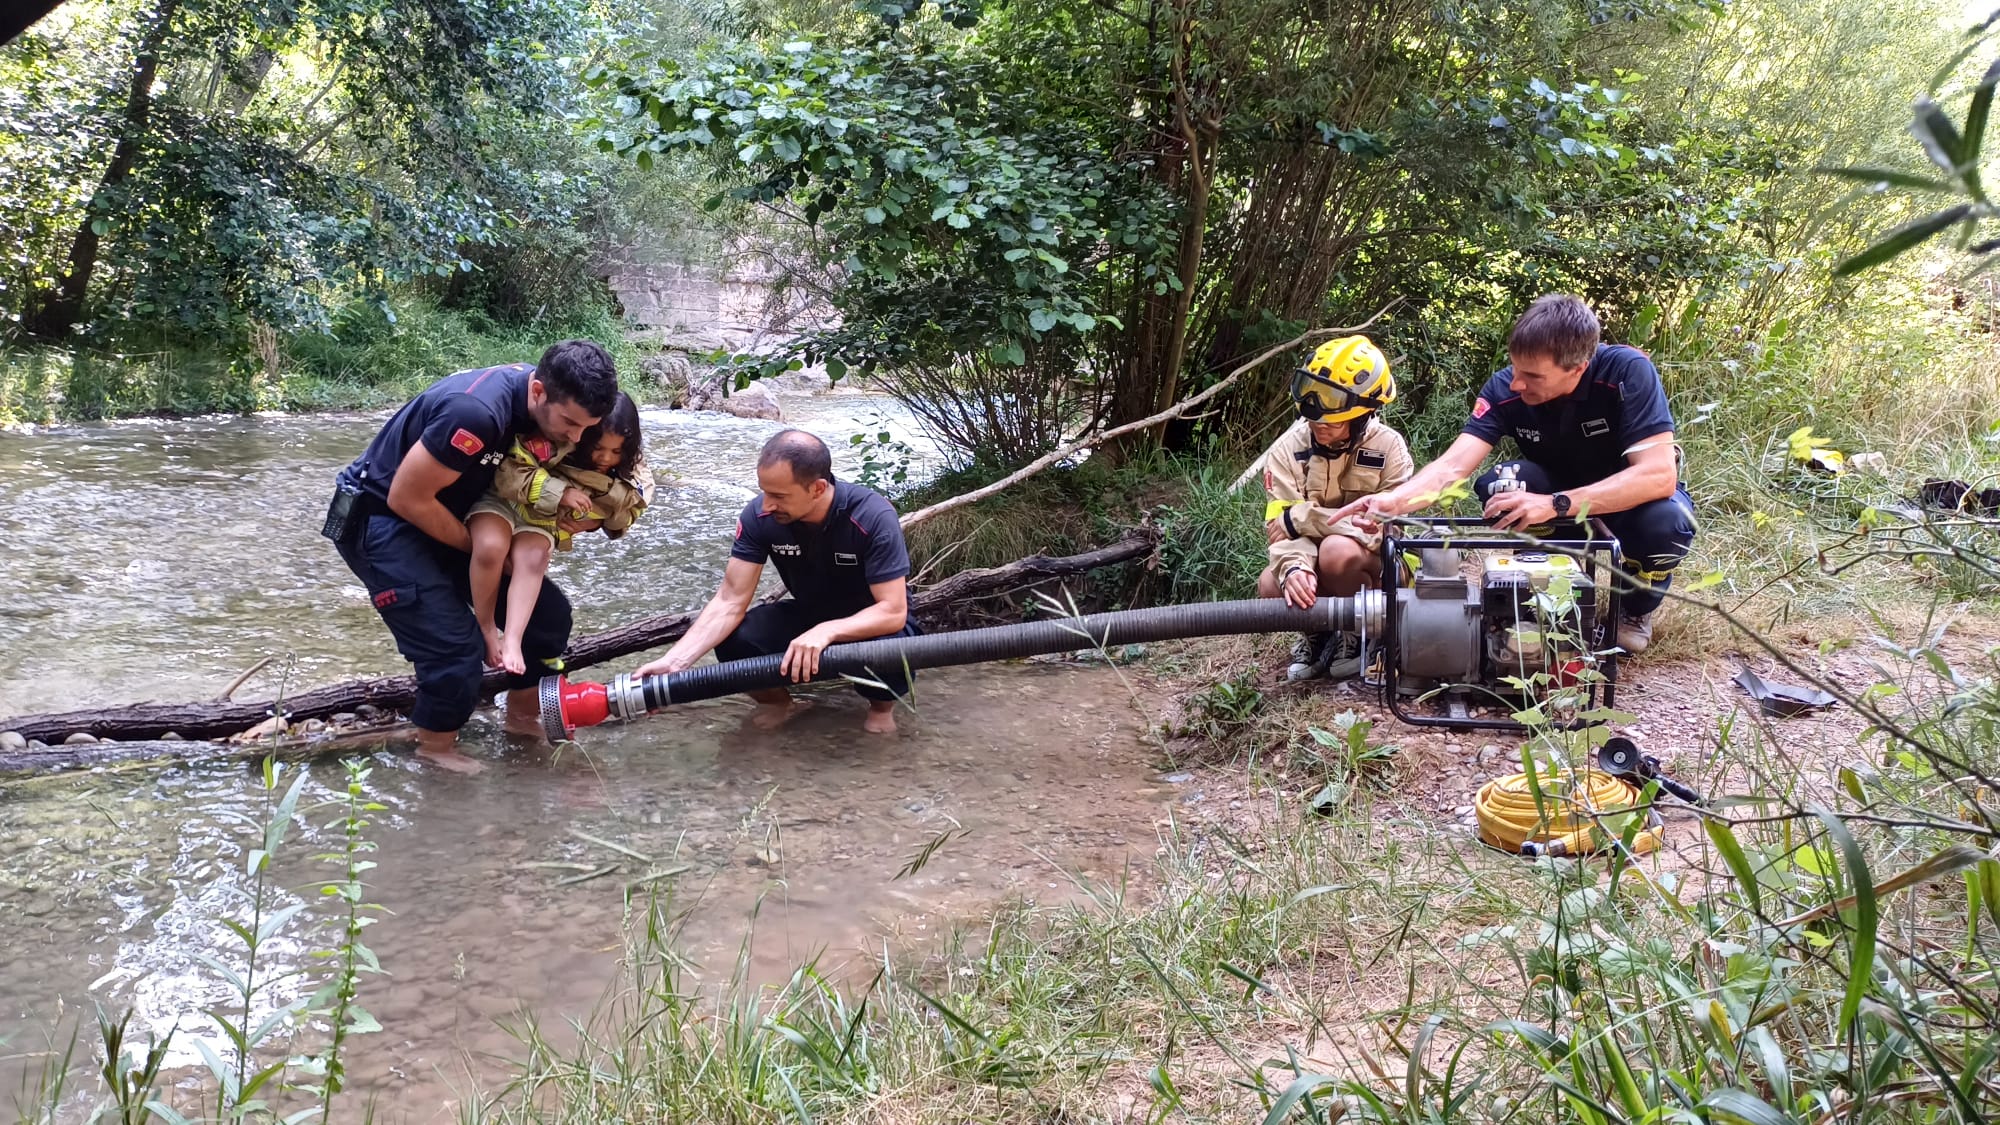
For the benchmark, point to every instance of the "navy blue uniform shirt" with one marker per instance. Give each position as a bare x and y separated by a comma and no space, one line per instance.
829,567
1582,437
468,421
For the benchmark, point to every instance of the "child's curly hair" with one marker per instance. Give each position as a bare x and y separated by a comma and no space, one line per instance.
622,419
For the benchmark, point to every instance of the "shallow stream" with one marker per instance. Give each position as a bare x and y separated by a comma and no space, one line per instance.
160,559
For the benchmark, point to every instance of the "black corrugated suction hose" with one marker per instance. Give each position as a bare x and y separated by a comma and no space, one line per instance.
865,659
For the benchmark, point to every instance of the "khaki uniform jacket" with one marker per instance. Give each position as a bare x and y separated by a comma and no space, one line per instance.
1305,488
535,483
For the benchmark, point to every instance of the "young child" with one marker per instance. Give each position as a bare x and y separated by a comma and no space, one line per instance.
602,477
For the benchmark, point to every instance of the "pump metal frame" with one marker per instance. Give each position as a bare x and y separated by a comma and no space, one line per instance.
1480,536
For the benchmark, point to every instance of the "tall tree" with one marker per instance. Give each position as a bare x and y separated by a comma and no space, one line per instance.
54,313
266,156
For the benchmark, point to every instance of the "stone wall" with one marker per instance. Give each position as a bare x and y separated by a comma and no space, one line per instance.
735,304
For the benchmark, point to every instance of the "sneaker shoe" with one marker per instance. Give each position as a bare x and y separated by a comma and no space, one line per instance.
1342,658
1635,633
1309,656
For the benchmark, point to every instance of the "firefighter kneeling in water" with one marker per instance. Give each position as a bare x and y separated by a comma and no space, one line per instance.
1336,453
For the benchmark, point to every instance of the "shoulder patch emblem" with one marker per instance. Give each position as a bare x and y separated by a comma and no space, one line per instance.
1270,481
467,442
1480,406
739,527
1371,458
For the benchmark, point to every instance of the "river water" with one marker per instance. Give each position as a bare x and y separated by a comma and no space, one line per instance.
160,559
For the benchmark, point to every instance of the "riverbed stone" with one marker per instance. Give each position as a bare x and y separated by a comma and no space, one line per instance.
346,719
80,738
13,740
36,744
754,401
171,736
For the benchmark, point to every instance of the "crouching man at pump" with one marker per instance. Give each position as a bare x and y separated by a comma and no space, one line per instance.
839,548
1336,453
1596,440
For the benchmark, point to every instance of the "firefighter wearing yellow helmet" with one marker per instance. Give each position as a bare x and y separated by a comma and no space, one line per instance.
1337,452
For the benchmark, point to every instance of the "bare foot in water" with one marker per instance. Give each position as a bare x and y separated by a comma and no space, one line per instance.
771,716
496,647
524,715
524,726
880,719
452,760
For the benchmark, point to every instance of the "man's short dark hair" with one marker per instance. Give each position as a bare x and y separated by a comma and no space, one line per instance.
1559,326
809,458
579,372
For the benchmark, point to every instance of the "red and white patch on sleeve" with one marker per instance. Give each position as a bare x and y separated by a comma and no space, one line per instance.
1480,406
467,442
541,449
1270,481
739,527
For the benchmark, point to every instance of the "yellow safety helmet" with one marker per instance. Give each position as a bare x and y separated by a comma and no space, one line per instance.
1345,379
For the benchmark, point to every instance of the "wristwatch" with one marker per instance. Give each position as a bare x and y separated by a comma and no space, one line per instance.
1561,501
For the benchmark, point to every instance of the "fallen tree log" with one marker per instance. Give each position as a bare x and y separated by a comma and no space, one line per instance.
221,718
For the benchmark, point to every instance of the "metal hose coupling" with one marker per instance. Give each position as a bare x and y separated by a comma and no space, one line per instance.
567,706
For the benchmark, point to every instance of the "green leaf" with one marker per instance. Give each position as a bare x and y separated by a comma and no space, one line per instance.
1724,837
1041,320
1861,956
1870,175
271,925
359,1022
1538,1037
100,227
224,1075
874,215
1740,1107
1989,884
1938,135
1901,239
1295,1091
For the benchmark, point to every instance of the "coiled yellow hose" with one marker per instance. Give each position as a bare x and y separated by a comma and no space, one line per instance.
1510,821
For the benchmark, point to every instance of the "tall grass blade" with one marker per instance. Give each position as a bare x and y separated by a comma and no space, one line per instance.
1740,1107
1861,958
1723,836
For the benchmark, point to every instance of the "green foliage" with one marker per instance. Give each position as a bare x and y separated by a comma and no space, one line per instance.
885,458
966,219
1954,149
365,360
1222,707
259,181
1211,538
250,1075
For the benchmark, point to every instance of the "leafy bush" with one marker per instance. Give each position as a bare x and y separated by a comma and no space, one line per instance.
1211,538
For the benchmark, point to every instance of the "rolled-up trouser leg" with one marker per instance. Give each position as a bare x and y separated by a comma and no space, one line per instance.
1654,537
417,592
769,629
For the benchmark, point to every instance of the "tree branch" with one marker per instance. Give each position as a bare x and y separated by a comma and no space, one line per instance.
1167,415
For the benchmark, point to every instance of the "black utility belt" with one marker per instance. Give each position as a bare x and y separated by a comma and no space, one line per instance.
349,510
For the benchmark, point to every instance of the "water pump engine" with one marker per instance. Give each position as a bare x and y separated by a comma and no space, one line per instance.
1486,619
